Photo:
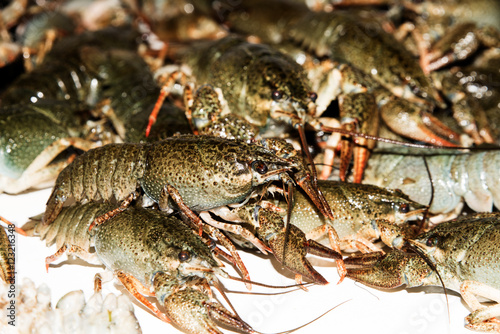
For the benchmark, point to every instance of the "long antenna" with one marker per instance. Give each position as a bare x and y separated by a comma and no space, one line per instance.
433,267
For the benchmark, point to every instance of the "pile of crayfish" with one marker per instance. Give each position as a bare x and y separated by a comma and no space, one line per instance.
174,141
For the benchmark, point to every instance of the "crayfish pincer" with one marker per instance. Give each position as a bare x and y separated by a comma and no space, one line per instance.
461,255
197,173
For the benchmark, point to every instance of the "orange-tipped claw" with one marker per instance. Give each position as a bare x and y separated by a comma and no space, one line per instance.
330,146
134,286
359,113
408,120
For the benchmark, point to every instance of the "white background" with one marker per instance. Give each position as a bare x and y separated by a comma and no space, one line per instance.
367,310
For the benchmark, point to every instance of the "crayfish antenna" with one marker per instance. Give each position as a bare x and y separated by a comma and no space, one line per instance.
301,285
412,245
317,318
426,213
309,157
393,141
289,199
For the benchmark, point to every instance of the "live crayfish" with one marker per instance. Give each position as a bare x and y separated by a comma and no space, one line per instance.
150,254
217,172
56,106
345,39
464,255
357,210
260,87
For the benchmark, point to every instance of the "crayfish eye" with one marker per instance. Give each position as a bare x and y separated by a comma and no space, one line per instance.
277,95
313,96
432,242
259,166
184,256
404,208
414,88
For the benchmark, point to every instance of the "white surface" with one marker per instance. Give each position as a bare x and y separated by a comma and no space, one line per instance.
367,311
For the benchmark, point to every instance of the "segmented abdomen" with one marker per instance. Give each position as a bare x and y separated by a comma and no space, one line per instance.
103,172
472,178
71,226
97,174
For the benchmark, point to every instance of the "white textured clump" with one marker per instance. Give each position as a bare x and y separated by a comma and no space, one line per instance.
34,313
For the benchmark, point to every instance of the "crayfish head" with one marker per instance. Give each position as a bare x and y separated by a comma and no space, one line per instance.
299,172
282,89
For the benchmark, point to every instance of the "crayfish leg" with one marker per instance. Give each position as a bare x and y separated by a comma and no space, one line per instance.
193,311
330,147
236,229
170,192
481,318
320,250
215,233
108,215
42,171
73,249
11,225
135,288
165,91
359,113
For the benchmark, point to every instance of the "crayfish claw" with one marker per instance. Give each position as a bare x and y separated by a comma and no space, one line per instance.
316,196
271,228
359,113
388,271
418,124
135,287
195,312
